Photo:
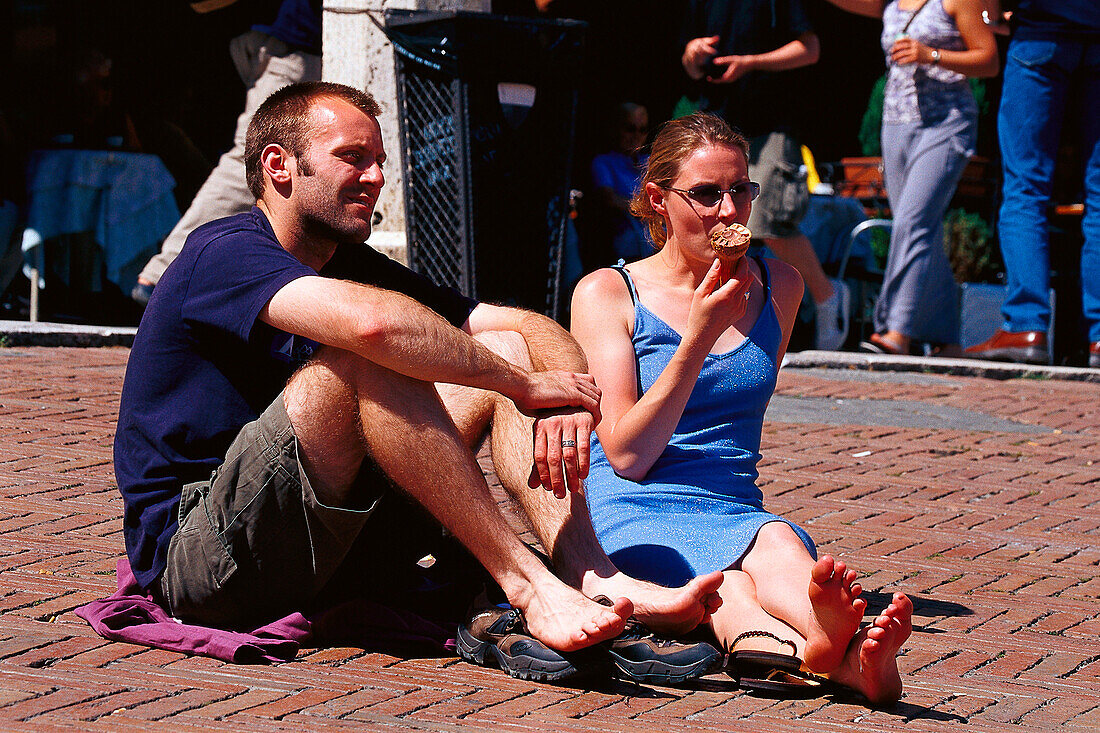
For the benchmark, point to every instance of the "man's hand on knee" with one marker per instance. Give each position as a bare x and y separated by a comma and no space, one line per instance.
556,389
561,450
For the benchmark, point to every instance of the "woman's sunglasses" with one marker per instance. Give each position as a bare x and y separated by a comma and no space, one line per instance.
710,195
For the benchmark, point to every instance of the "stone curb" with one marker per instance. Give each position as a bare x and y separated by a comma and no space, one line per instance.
936,365
25,333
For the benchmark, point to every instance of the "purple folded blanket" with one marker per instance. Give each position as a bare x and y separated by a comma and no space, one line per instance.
131,615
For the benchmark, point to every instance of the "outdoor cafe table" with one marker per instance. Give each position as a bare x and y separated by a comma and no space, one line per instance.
122,200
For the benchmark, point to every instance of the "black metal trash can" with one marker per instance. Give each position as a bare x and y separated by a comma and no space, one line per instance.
487,108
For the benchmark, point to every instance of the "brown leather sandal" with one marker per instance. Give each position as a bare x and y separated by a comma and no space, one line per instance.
878,344
773,674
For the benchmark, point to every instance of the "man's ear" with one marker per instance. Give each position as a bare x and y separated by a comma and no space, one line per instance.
276,162
656,196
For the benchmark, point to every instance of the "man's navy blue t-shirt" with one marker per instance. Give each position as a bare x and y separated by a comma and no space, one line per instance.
1056,20
203,365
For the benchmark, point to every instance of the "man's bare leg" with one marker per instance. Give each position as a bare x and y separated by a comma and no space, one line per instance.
344,408
563,526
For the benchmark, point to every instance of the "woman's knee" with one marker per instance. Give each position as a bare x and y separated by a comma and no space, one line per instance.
774,539
782,535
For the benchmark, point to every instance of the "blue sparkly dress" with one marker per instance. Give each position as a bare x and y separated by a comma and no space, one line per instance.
698,509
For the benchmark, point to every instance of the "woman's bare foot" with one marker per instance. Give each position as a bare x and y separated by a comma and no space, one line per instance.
671,611
835,614
871,666
563,619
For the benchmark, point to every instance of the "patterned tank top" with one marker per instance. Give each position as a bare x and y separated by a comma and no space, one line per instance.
923,92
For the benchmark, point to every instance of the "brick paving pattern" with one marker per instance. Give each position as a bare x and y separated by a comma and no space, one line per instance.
994,535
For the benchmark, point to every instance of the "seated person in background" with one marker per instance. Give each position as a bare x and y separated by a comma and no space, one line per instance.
685,347
282,367
97,116
11,190
615,177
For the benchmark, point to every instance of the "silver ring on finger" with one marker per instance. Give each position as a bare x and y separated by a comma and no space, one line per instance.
569,444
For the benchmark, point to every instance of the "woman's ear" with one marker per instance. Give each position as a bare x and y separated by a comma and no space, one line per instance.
656,196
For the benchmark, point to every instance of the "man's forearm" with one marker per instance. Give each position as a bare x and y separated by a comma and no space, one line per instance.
391,330
801,52
550,345
414,345
420,344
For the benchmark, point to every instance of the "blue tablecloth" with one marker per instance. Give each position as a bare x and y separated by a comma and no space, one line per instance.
123,199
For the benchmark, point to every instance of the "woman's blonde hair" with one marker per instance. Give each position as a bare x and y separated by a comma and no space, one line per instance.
675,142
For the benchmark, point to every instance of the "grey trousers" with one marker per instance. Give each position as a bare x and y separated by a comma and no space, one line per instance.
922,166
265,66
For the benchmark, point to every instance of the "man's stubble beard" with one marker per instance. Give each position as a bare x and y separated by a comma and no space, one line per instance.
324,228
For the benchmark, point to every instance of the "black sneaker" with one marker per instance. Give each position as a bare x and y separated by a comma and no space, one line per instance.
499,633
639,655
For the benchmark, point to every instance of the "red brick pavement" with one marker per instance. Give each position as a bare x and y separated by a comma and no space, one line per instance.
995,535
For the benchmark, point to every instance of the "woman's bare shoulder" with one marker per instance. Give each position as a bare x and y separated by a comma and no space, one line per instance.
605,285
786,283
600,293
954,7
781,274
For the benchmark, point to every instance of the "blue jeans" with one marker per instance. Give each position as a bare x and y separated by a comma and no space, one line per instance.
1037,80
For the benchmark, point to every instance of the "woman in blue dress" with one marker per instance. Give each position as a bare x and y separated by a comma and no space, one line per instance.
685,347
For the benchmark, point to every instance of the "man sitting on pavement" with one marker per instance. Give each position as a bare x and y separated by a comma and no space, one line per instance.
282,363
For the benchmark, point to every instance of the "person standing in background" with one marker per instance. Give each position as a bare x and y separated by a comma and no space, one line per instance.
929,129
1054,56
267,57
736,50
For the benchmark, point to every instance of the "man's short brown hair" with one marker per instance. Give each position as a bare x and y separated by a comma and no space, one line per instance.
284,119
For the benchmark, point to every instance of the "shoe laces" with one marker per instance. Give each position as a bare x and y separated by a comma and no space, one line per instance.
514,622
637,631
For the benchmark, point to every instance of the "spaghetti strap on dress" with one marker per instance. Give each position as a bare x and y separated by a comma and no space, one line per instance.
698,509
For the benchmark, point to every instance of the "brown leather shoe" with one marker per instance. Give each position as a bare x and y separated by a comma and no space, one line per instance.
1028,347
1094,355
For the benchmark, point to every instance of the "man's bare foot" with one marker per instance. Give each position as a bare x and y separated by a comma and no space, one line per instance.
835,613
870,665
563,619
671,611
